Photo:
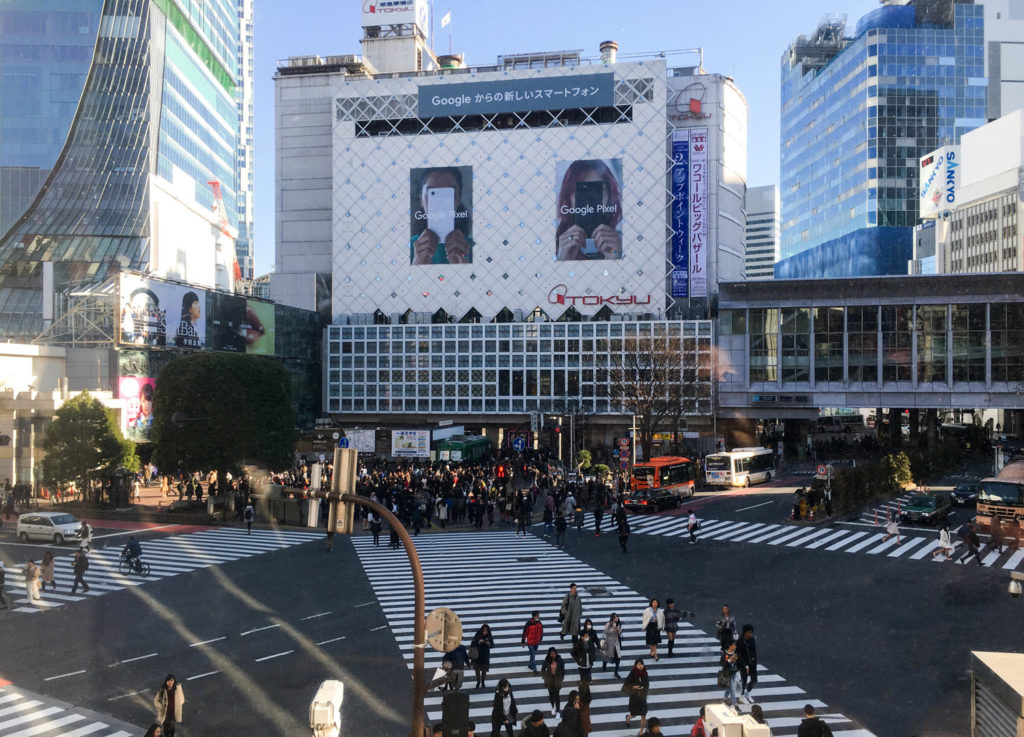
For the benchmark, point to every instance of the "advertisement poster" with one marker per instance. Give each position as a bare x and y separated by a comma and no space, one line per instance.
441,215
940,180
680,213
589,210
259,328
410,443
698,212
137,393
227,322
160,313
361,440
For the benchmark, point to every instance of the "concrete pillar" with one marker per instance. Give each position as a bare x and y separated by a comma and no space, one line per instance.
915,425
931,427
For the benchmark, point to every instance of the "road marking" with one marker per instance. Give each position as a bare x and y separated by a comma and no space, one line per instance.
359,606
378,628
203,675
314,616
275,655
65,675
1014,559
132,660
133,532
207,642
260,629
126,695
755,506
325,642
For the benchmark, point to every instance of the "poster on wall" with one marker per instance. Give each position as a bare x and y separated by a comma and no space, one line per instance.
680,213
259,328
137,394
410,443
588,210
698,212
361,440
441,215
227,322
160,313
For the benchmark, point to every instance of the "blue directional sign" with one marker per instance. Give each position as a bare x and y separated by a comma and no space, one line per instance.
519,445
343,442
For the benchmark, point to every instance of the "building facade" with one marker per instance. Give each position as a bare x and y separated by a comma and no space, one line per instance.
761,235
245,205
858,112
116,115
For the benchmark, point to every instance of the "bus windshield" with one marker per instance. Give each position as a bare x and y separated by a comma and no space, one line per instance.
1000,492
718,463
643,472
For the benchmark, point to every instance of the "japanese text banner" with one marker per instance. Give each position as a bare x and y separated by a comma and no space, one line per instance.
518,95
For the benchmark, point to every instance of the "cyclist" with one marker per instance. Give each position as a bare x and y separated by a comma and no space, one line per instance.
133,553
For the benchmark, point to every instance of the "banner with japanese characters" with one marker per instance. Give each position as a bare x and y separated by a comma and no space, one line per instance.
517,95
698,212
680,213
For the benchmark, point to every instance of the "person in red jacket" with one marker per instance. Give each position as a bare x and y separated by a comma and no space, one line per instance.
698,728
533,633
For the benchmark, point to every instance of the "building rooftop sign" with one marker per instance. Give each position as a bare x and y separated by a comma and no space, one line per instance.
517,95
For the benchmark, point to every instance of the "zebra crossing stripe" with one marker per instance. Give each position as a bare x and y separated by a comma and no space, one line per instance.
29,715
885,545
740,532
864,543
1014,560
798,532
806,538
773,531
907,545
926,550
827,539
723,531
846,540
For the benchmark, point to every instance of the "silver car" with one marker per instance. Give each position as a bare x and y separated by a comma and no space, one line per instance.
53,527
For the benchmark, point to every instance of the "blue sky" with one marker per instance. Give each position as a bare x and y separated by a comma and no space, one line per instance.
743,39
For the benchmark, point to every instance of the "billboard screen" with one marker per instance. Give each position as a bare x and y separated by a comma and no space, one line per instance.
410,443
137,393
259,328
589,210
160,313
940,181
227,322
361,440
441,220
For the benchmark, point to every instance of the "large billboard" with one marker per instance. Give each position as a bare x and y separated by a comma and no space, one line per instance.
698,212
680,213
517,95
137,393
410,443
441,215
161,313
940,181
588,210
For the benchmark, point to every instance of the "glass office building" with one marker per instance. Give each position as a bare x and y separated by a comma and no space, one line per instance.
96,98
857,114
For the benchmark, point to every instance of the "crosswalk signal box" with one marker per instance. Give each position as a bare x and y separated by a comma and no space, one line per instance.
342,514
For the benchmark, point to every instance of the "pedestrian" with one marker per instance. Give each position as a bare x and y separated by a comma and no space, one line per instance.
533,633
458,661
636,686
996,539
46,571
586,697
417,518
798,497
570,614
622,530
730,675
973,544
3,580
726,627
571,724
812,726
483,641
746,652
692,525
561,525
757,714
503,712
945,546
85,535
652,623
375,527
80,565
394,541
653,727
168,702
155,730
577,519
892,528
441,512
553,673
698,728
32,580
612,643
535,726
584,653
672,617
598,512
249,514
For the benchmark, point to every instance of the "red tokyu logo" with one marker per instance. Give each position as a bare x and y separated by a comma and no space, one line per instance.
559,296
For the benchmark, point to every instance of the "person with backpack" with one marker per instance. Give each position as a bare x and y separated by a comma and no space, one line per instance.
812,726
79,565
249,514
533,633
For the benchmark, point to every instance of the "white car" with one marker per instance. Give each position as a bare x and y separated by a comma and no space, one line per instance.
53,527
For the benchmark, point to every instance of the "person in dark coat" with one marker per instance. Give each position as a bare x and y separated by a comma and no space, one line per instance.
746,652
459,661
572,722
80,565
636,686
584,653
503,712
553,672
622,530
812,726
534,726
483,641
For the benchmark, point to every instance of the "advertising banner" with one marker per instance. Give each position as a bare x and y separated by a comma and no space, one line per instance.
680,213
698,212
160,313
227,322
517,95
940,181
588,210
137,393
441,215
361,440
410,443
259,327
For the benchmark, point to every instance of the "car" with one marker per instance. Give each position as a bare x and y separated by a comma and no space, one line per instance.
965,495
650,500
55,527
928,509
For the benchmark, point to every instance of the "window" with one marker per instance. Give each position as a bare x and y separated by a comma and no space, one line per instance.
828,344
896,346
764,345
795,342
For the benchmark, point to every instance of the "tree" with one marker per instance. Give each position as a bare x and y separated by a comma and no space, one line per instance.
583,460
84,440
646,381
219,410
601,471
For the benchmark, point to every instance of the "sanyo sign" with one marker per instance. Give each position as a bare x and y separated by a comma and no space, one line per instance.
940,181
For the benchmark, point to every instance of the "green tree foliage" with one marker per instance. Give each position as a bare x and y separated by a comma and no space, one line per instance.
601,471
83,441
583,460
219,410
897,465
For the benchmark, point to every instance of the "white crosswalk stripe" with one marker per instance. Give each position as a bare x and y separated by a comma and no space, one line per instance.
167,556
29,715
498,579
915,543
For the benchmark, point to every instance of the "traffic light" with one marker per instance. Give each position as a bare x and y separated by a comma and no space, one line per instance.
501,472
558,429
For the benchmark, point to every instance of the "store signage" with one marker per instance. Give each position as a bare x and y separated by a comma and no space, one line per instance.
680,213
517,95
940,180
688,103
559,296
699,191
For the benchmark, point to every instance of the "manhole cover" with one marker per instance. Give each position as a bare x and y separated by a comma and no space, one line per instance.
527,560
598,591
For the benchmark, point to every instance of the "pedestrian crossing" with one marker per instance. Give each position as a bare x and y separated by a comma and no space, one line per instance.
915,543
498,579
23,714
167,556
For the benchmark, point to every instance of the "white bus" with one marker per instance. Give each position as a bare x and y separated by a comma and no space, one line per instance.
739,467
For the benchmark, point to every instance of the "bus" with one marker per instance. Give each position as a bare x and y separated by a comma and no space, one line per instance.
839,423
1002,497
740,467
664,475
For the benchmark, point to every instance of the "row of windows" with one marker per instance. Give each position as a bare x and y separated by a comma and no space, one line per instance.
524,330
569,118
506,406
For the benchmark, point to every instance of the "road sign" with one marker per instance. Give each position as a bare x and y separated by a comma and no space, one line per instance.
519,445
821,470
343,442
624,464
444,630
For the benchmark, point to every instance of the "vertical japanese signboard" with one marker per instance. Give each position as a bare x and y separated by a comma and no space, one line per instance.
698,212
680,213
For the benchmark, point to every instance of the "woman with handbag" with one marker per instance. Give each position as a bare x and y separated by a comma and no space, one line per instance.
553,673
652,623
612,643
503,712
726,627
729,676
480,653
636,687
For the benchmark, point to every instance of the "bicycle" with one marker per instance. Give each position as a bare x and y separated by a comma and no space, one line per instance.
133,565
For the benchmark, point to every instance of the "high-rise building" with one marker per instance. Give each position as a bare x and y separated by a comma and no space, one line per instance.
116,116
858,112
761,234
244,174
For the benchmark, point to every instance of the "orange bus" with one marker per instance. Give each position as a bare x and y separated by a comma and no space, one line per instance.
664,476
1002,497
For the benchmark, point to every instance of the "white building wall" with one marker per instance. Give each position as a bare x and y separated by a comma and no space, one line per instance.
246,123
1004,55
762,231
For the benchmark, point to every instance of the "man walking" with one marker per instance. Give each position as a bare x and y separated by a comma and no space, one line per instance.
692,525
533,633
571,614
80,565
248,515
812,726
584,653
973,544
746,650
